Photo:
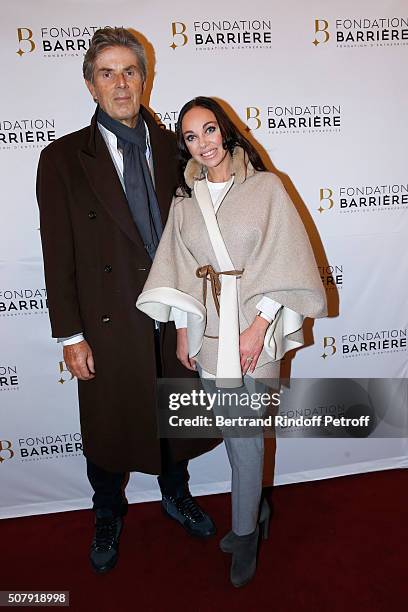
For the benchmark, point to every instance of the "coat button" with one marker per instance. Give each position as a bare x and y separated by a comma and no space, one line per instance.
92,214
108,268
106,319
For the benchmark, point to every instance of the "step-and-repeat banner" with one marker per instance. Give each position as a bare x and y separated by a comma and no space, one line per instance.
322,89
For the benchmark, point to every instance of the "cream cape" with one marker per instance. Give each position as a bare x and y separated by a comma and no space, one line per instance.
263,236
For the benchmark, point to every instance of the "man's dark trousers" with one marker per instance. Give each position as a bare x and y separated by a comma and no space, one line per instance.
109,487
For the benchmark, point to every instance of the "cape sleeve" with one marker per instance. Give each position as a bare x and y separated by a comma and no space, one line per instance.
282,267
172,281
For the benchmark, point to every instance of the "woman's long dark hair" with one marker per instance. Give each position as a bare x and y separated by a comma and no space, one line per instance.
231,136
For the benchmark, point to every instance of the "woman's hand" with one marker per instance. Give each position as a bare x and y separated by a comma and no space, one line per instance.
182,350
250,344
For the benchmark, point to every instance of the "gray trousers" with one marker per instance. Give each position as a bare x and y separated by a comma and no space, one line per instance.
246,457
245,451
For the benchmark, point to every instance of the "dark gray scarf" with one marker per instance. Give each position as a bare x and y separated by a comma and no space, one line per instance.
139,188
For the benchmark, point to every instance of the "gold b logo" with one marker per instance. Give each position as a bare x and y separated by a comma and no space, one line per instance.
329,343
325,196
66,375
25,40
252,114
5,449
321,31
178,29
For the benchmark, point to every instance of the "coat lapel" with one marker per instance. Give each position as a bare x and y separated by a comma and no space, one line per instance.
103,178
163,161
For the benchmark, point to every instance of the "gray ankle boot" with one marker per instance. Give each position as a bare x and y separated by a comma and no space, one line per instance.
244,553
228,541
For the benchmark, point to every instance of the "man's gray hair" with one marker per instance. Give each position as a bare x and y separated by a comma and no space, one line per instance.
113,37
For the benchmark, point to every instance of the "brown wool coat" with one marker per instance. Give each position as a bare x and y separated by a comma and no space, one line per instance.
95,268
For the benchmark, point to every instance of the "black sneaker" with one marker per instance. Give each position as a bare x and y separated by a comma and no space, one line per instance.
188,513
104,549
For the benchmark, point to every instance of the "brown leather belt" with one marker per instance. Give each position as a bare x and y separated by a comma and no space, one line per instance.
207,273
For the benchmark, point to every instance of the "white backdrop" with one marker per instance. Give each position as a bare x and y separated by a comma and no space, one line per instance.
323,89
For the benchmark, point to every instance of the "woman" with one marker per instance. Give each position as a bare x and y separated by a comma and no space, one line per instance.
233,234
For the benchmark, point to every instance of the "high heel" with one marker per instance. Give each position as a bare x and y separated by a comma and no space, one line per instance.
228,541
264,519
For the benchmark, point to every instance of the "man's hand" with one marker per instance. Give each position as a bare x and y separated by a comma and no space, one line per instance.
182,350
79,360
250,344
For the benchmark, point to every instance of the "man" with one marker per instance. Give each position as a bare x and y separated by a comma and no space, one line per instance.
104,193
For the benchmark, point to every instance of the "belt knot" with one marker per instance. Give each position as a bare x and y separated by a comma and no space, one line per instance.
207,273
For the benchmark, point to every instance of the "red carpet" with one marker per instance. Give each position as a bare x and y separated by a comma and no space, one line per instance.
335,545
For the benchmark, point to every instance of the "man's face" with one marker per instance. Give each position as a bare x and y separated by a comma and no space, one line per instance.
118,84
